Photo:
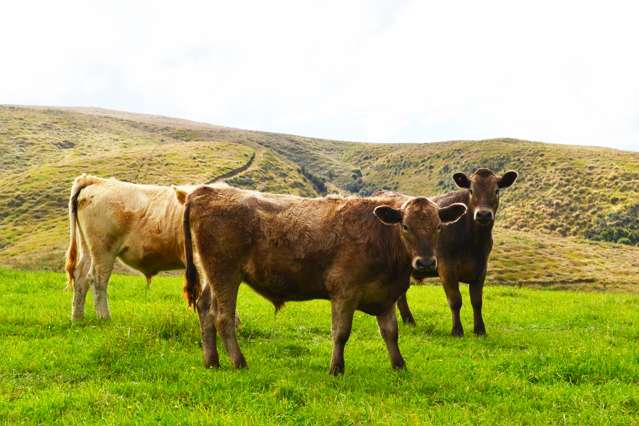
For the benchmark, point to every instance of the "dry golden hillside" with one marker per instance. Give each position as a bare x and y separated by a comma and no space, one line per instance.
565,195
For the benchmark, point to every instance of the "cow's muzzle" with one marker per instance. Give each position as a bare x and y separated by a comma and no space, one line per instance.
425,264
484,216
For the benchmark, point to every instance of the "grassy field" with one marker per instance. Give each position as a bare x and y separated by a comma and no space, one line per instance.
550,357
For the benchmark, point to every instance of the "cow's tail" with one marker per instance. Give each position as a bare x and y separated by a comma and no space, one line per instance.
192,281
79,184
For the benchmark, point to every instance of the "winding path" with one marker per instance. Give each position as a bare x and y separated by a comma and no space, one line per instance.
249,165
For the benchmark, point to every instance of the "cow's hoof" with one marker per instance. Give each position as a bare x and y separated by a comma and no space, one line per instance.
457,332
399,365
211,360
480,331
240,363
214,364
410,321
336,370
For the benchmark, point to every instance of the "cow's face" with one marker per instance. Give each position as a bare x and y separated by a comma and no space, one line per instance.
483,187
420,221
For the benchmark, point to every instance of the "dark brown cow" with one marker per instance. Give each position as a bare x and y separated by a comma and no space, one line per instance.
356,252
464,247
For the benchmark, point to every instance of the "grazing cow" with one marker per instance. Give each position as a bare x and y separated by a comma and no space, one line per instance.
463,248
108,219
356,252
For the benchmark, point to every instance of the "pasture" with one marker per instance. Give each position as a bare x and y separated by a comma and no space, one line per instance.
550,357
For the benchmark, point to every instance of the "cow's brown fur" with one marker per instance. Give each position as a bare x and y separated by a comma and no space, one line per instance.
463,247
291,249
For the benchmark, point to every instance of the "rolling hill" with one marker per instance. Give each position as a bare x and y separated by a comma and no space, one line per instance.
572,219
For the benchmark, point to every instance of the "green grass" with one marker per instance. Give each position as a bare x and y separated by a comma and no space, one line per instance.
550,357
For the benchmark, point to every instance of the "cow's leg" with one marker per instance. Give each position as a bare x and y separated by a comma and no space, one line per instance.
451,286
388,329
476,291
100,274
80,287
342,321
404,310
206,313
225,290
237,320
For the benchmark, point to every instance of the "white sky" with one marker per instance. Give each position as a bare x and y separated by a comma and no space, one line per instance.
379,71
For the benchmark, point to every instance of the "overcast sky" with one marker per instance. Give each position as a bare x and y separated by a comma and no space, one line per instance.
379,71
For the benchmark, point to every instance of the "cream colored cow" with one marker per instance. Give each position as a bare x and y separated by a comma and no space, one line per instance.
109,219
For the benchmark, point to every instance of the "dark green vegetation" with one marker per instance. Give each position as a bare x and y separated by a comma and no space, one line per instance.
563,191
550,357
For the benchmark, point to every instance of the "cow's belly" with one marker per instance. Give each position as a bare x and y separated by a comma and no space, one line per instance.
285,281
280,278
470,270
150,258
377,297
280,288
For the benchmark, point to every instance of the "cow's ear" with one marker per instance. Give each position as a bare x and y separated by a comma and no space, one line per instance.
180,194
388,215
461,180
452,213
507,179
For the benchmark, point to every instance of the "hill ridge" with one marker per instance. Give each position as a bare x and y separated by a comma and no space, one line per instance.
559,185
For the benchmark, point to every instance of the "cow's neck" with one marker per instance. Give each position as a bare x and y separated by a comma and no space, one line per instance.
402,260
478,235
481,235
394,252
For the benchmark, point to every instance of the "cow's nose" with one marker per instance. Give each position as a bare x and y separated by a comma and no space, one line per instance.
425,264
484,216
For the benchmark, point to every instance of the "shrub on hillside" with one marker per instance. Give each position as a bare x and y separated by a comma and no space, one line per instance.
242,182
316,181
621,227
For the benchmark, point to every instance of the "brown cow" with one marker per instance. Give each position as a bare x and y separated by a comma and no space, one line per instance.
356,252
109,219
463,248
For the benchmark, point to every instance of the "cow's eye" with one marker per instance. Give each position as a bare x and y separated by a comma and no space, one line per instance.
405,227
470,191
